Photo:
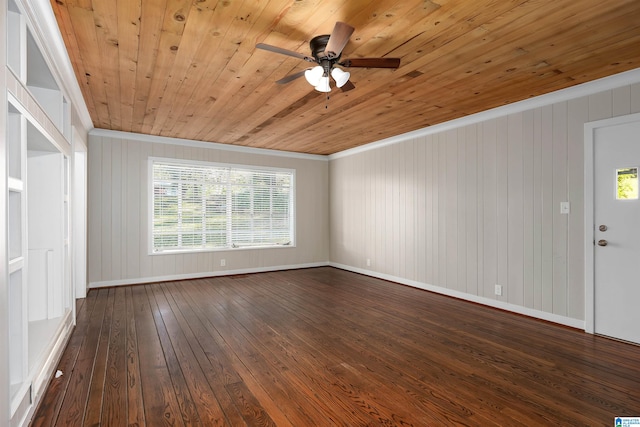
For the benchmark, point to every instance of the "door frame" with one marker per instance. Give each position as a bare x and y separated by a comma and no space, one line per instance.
589,207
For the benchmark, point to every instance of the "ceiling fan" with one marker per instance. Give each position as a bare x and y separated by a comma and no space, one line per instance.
326,51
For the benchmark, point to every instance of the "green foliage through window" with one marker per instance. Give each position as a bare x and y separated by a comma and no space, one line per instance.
203,206
627,183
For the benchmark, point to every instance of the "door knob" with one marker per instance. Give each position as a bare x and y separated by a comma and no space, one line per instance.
602,242
602,228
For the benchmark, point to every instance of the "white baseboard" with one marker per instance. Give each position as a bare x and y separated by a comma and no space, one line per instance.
538,314
188,276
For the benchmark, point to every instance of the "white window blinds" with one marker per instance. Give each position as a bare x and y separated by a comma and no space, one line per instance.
200,206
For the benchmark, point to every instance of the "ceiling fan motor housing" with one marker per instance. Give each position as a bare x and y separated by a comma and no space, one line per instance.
317,45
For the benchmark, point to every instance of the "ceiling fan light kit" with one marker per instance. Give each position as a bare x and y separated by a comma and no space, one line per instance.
341,77
324,85
326,51
313,75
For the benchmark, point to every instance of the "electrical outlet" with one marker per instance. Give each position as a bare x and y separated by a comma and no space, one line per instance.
368,262
223,262
498,290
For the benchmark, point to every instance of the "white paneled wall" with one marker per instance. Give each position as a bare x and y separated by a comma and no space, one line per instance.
470,207
118,214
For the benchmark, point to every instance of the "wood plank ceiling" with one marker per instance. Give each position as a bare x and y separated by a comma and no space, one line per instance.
190,69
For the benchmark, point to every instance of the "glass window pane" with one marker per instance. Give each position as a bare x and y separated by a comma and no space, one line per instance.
627,184
199,206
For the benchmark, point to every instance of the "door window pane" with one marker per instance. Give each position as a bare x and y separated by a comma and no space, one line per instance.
627,186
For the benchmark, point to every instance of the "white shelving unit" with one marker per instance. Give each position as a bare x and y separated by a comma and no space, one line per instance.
39,274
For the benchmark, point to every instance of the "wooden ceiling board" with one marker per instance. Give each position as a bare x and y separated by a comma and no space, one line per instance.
128,46
189,69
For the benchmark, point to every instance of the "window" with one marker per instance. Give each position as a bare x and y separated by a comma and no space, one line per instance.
204,206
627,184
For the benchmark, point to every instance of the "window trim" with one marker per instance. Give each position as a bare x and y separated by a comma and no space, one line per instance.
237,166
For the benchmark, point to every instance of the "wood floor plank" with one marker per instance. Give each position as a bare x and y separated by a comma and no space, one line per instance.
216,367
346,351
288,346
76,395
203,397
324,346
242,354
160,403
135,403
114,403
98,370
181,391
51,402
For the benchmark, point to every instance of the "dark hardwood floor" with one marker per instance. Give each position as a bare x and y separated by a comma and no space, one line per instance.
324,347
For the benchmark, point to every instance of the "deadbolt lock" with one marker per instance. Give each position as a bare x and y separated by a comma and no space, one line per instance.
602,228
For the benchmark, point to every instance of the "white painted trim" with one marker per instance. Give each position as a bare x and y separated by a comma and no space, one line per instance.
62,145
589,205
234,166
585,89
45,28
42,375
537,314
201,144
188,276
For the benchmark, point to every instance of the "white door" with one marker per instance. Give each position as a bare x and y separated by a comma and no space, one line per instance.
617,231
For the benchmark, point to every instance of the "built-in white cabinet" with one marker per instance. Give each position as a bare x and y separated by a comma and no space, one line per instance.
40,291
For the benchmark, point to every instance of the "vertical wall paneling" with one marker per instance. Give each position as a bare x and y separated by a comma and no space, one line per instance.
537,209
443,217
547,207
119,213
600,106
578,114
133,211
621,102
410,212
452,259
634,89
470,214
429,188
146,262
116,207
467,208
475,140
421,207
378,188
104,193
395,156
461,209
560,221
387,258
490,244
502,205
515,210
437,221
94,211
528,209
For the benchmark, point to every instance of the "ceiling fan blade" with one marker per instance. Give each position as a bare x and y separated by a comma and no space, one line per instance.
347,86
291,77
282,51
338,39
371,62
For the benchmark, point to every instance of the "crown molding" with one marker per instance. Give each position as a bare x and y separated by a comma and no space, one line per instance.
202,144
